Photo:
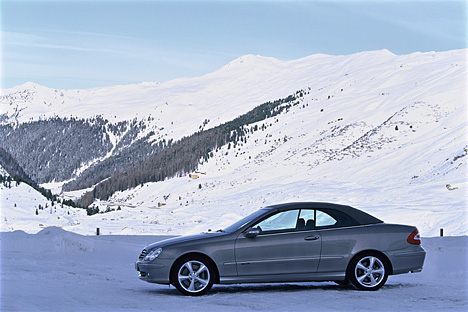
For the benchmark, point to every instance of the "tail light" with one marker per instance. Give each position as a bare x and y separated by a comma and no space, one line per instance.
414,238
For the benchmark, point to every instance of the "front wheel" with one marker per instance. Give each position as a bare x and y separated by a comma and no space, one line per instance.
342,283
193,276
368,271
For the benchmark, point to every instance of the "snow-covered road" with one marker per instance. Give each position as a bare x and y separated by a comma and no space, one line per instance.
56,270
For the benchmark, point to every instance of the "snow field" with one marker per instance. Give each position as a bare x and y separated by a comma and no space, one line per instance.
20,203
56,270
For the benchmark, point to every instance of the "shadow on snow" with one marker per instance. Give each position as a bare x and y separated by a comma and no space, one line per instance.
271,288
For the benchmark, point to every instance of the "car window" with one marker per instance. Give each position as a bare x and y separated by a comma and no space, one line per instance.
324,219
279,222
333,219
306,220
244,221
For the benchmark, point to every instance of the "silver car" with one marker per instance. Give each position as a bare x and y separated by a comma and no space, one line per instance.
294,242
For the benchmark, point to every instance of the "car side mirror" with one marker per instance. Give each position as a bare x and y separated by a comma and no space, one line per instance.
252,232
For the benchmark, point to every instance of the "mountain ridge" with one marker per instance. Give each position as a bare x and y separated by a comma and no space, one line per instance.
193,84
372,129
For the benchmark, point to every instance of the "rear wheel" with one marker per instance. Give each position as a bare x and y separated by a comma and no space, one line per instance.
193,276
368,271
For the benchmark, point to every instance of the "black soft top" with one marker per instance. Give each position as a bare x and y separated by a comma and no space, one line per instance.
360,216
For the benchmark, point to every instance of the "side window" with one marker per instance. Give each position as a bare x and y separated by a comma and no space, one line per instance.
324,219
333,219
306,220
282,221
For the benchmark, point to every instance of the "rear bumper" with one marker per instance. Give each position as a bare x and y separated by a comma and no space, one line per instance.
408,261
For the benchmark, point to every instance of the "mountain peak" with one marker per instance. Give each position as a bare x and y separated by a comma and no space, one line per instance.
27,86
251,59
384,52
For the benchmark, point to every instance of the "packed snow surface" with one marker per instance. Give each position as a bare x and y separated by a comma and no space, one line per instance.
56,270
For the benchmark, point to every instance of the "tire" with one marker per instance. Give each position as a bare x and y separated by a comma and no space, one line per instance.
193,276
368,271
342,283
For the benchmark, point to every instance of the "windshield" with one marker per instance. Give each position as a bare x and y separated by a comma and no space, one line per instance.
234,227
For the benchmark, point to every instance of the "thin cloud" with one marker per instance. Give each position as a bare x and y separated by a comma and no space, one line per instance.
444,25
35,41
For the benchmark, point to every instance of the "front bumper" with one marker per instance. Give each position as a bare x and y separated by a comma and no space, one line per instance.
154,272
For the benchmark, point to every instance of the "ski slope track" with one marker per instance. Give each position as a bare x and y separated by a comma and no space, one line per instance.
382,132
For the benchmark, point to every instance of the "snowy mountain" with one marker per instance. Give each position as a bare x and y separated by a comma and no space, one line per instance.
382,132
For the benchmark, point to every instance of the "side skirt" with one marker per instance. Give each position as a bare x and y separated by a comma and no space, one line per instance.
283,278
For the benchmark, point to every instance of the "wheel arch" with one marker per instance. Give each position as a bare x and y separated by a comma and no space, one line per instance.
192,255
371,251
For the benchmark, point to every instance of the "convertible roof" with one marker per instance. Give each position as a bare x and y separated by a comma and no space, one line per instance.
360,216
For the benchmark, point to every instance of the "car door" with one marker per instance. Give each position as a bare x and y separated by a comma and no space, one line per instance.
284,246
339,234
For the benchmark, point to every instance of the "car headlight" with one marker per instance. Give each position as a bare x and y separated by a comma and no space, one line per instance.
153,254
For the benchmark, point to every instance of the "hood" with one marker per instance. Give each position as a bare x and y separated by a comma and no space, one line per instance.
184,239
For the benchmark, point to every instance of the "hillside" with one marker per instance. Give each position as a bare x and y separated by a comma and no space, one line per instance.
26,206
382,132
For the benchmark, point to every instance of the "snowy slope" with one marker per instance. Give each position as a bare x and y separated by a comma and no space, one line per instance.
56,270
385,133
180,106
350,153
24,207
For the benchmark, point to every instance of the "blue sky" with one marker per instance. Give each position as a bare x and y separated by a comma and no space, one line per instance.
83,44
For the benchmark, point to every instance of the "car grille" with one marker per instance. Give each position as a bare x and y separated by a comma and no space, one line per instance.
143,254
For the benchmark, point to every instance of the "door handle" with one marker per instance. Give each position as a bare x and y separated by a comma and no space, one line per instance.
312,237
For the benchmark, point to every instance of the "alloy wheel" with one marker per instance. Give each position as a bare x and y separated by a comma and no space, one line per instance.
194,277
369,271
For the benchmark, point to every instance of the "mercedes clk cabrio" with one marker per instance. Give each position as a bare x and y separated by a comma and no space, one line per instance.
293,242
